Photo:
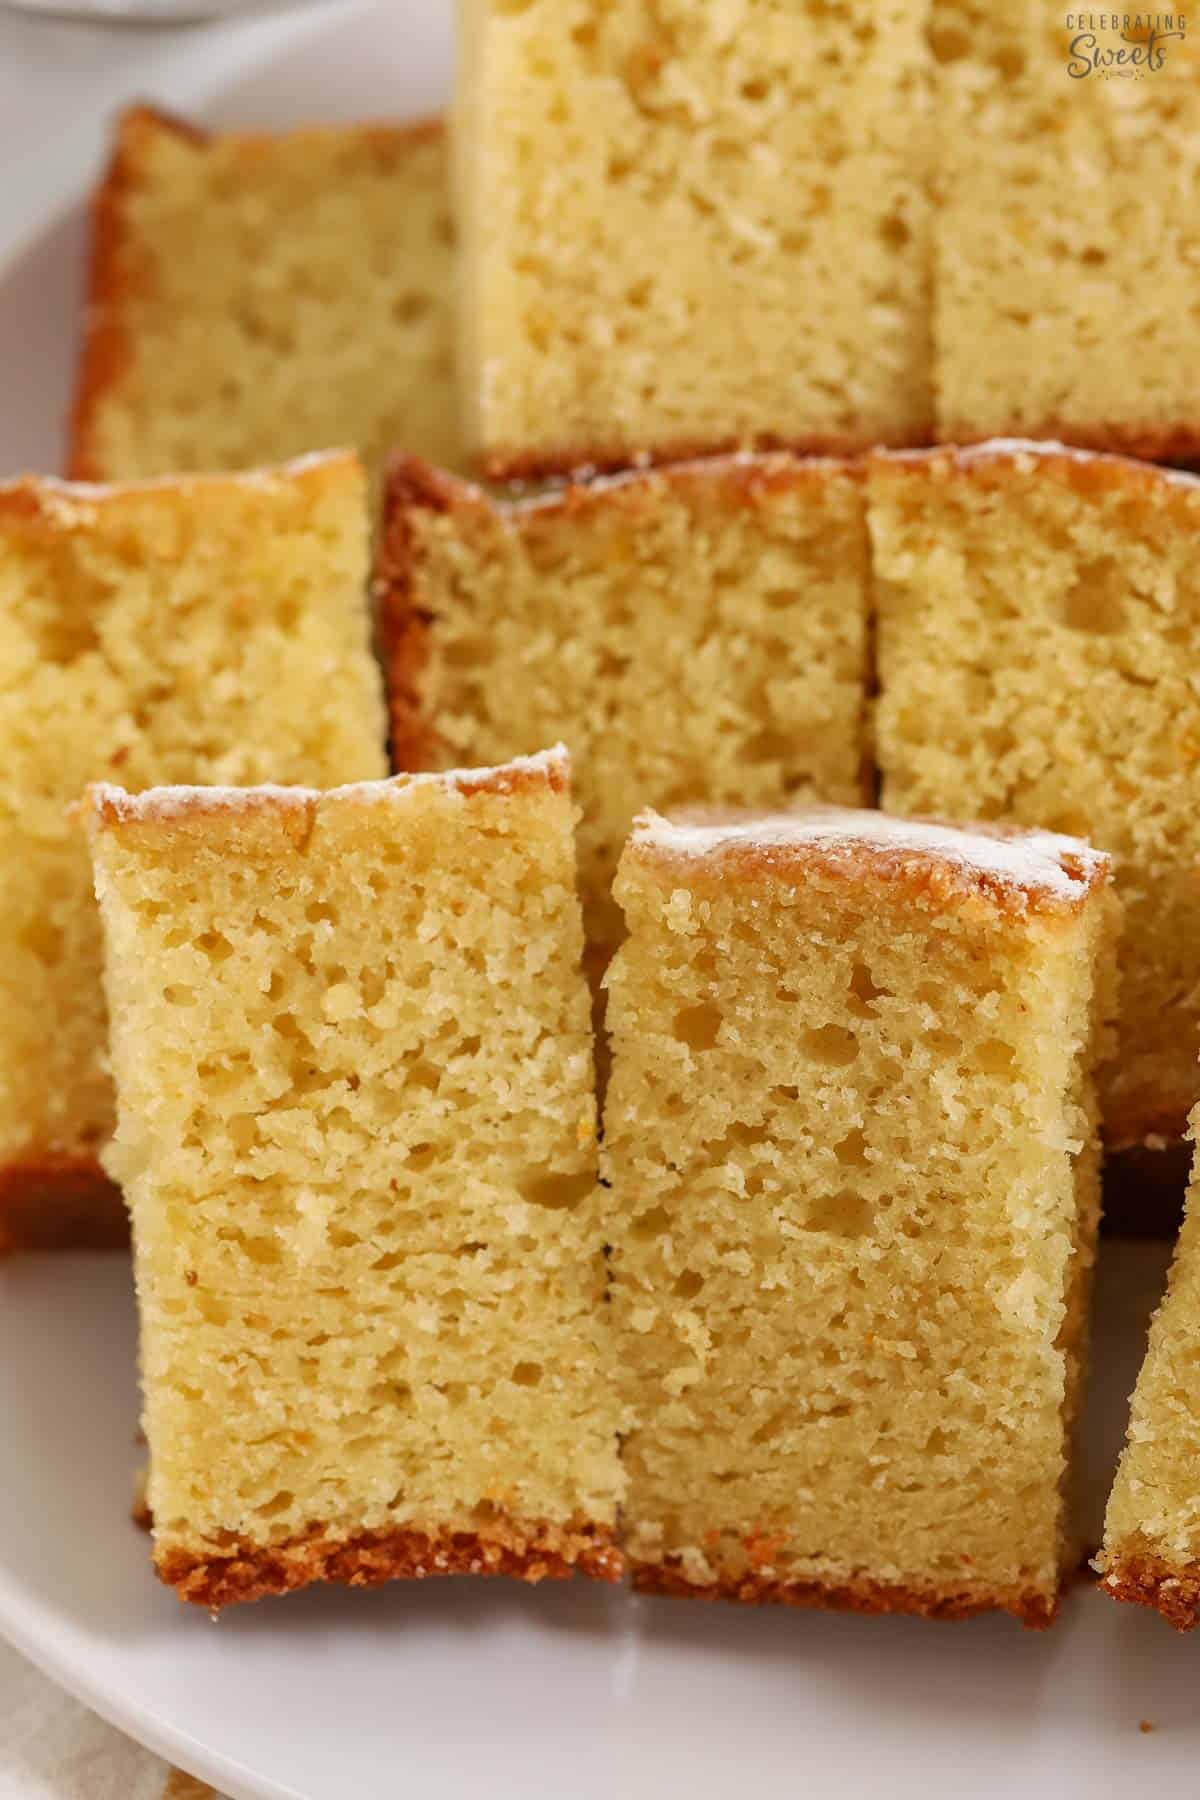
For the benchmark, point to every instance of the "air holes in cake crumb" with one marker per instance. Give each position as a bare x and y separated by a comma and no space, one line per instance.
527,1374
652,1223
278,1503
844,1215
864,990
995,1057
318,912
557,1191
832,1045
1009,61
949,45
179,996
851,1151
698,1026
689,1284
408,308
1095,603
895,232
420,1157
770,746
215,946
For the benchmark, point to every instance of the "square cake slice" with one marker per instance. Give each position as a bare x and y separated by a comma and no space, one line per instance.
356,1129
202,629
1038,641
851,1138
1065,233
254,297
691,227
1151,1551
693,633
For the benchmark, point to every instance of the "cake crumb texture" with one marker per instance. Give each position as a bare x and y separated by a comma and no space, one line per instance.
1038,633
690,227
1065,231
357,1132
851,1135
253,297
1151,1551
209,629
694,633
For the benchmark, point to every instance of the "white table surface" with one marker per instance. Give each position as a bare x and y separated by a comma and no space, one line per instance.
61,81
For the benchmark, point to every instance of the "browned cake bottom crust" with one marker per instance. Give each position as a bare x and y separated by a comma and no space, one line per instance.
864,1596
530,1551
52,1202
1149,1581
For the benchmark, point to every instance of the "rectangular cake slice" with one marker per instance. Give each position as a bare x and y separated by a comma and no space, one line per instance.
1038,637
687,227
694,633
253,297
1064,226
851,1138
207,629
1151,1552
357,1133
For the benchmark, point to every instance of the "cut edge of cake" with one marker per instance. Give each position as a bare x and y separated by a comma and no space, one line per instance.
105,350
1133,1563
49,1199
412,484
531,1550
1145,1134
1023,872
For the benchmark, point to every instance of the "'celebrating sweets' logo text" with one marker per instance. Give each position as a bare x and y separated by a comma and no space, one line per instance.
1125,45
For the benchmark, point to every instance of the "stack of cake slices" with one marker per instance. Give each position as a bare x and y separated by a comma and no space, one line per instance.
606,1006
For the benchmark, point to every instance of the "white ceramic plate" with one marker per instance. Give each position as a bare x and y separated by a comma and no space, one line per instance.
455,1689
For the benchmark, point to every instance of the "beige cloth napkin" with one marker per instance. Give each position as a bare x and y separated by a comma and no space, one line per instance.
51,1748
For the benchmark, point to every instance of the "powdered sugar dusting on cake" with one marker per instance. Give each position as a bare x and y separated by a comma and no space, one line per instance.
165,803
1035,860
1043,449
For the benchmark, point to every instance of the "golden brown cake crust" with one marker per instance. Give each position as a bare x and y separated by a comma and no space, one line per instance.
598,459
939,878
1149,1581
105,347
1145,443
49,1201
529,1551
874,1597
1089,469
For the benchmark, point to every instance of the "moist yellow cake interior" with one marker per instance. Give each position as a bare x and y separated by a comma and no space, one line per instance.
637,182
271,295
209,631
852,1147
1152,1529
1064,228
693,635
1039,625
357,1133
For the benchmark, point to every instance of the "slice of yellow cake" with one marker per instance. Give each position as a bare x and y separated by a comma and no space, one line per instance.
205,629
688,226
357,1132
254,297
1065,229
1038,641
695,633
851,1138
1151,1552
